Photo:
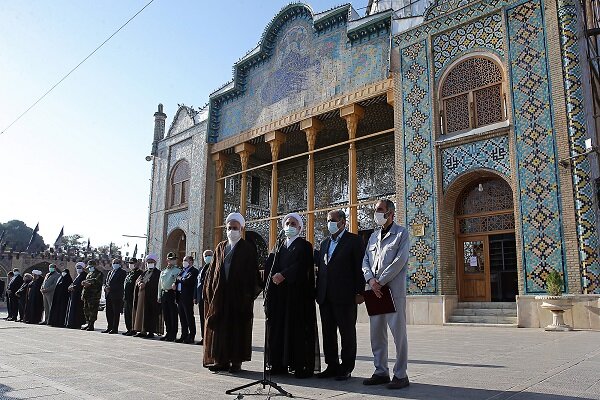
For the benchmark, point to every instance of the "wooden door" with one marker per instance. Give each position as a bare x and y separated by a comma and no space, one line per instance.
473,263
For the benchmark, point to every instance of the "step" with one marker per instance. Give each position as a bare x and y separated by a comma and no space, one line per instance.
483,319
507,312
473,324
488,304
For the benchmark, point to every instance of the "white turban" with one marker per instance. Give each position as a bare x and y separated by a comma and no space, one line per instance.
236,216
80,264
36,272
151,257
296,216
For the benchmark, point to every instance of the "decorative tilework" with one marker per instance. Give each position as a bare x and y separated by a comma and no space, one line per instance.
489,153
419,200
177,220
536,159
587,234
439,7
486,33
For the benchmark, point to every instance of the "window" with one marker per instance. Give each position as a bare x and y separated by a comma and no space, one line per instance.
180,184
472,96
255,190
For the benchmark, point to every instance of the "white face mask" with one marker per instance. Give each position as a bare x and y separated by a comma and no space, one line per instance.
150,265
186,264
332,227
290,231
91,269
64,273
380,218
17,273
79,270
116,266
234,236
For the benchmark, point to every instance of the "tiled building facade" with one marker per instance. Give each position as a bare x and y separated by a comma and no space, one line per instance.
472,116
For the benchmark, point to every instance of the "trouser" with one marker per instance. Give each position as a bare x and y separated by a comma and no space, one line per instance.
128,313
90,310
169,308
379,340
22,303
201,313
185,309
47,305
114,305
13,306
340,317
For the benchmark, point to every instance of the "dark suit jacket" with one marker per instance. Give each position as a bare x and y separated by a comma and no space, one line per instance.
15,284
188,284
200,284
115,280
340,278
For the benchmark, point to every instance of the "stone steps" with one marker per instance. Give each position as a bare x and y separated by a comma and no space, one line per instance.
485,314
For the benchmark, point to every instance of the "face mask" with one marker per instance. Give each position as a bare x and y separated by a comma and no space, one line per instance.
207,259
290,231
116,266
131,266
17,273
79,270
150,265
332,227
234,236
91,269
380,218
186,264
64,273
52,269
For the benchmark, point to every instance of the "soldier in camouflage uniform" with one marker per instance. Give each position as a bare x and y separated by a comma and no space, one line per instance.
92,290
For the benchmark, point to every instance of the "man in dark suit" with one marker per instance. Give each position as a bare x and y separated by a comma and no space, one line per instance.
207,257
340,283
113,288
186,288
14,284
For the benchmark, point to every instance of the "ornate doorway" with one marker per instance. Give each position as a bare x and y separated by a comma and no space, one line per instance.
176,242
485,237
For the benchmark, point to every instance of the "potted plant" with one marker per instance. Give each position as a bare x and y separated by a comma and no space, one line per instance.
556,302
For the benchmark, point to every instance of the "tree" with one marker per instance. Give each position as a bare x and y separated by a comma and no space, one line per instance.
17,237
73,243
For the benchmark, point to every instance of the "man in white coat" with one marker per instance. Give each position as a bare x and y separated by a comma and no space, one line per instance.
384,264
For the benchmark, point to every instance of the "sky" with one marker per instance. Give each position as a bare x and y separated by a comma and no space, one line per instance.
78,158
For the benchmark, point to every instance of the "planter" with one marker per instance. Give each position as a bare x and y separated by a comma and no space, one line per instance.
557,305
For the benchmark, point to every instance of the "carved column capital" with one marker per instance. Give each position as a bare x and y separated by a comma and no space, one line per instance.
219,159
244,150
275,140
311,127
352,113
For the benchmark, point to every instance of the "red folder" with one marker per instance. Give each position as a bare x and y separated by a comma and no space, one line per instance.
378,306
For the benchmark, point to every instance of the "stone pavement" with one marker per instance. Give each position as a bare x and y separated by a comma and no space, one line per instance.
444,363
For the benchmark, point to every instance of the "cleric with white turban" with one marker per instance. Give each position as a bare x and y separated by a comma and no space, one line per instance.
292,226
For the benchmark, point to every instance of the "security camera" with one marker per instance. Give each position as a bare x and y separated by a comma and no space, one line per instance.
148,158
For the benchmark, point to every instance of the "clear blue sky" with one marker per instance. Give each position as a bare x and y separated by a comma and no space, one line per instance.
77,158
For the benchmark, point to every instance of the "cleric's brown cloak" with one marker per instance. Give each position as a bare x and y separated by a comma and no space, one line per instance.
228,305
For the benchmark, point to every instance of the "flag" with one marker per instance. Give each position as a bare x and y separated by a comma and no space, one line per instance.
88,245
58,241
2,236
35,231
135,251
110,249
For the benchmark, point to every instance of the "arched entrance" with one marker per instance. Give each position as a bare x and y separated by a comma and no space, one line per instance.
486,253
176,243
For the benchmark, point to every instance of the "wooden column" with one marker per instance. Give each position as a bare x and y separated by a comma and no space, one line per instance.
311,127
275,140
352,114
219,159
244,150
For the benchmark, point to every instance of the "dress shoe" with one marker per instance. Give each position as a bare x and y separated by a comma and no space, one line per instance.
235,368
218,367
84,327
128,333
162,339
180,340
278,371
113,332
105,331
140,334
398,383
43,323
303,374
150,336
90,328
200,343
20,320
189,341
344,376
170,339
9,319
376,380
329,372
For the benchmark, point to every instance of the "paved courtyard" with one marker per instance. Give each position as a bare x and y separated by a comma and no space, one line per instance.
444,363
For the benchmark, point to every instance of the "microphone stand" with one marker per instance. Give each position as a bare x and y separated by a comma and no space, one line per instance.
264,381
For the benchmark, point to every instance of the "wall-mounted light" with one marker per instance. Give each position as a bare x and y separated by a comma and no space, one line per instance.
589,148
480,187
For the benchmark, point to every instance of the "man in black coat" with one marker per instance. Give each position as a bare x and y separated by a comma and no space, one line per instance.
13,301
113,289
207,257
340,283
186,288
129,288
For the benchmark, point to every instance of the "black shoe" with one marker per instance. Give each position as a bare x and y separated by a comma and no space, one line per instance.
303,374
278,371
189,341
106,331
329,372
162,339
397,383
170,339
344,376
180,340
200,343
90,328
218,368
235,368
126,333
43,323
140,334
150,336
84,327
9,319
376,380
113,332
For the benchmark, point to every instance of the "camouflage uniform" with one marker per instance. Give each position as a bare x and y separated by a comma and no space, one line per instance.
91,296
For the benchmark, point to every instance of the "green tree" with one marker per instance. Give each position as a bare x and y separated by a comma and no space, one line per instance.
17,237
74,242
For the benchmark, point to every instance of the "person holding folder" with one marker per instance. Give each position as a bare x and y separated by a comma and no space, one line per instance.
384,268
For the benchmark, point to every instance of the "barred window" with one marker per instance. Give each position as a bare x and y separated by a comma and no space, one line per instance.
472,96
180,184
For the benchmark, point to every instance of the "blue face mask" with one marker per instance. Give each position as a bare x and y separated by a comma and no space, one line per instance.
290,231
91,269
116,266
207,259
52,269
